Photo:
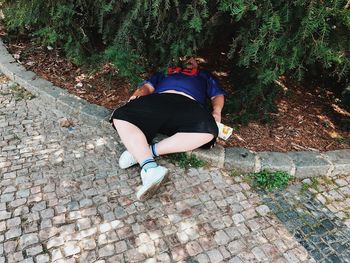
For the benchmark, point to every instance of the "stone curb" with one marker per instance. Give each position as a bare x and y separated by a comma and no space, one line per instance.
298,164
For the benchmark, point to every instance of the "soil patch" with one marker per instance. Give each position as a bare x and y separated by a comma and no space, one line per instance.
307,118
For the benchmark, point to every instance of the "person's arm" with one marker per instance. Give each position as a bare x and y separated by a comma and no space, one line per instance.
148,86
217,103
144,90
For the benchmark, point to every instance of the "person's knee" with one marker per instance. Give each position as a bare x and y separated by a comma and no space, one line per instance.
208,137
211,137
209,142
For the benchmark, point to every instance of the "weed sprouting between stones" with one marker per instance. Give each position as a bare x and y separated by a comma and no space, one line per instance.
269,180
186,161
21,93
313,184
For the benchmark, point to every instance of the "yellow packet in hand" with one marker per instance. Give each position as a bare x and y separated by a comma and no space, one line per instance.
224,131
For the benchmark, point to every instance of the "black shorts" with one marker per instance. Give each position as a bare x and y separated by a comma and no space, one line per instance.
167,113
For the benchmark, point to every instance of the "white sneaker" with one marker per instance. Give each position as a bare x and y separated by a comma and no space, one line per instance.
151,181
126,160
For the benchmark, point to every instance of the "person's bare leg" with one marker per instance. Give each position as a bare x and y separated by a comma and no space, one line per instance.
134,139
152,175
183,142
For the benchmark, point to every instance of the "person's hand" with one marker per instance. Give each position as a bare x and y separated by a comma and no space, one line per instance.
133,97
217,116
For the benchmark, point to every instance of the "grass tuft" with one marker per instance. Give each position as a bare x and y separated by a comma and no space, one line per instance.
21,93
186,161
269,180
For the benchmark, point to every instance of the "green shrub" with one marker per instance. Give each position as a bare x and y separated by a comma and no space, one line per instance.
264,39
291,38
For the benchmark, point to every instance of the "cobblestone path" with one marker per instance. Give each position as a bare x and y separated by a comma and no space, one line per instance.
64,199
318,217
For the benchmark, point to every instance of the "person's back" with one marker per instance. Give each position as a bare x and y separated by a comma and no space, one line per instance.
200,85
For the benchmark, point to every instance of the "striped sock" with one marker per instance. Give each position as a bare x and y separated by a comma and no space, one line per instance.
153,148
148,163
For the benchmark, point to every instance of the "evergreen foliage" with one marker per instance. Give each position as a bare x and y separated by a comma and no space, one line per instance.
287,38
267,38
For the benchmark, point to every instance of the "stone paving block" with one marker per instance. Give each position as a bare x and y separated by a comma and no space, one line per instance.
47,213
45,223
120,247
15,257
55,242
116,258
2,226
309,164
147,249
150,260
239,160
5,215
13,222
235,260
42,258
88,212
291,257
258,253
163,257
193,248
221,237
13,232
224,252
215,256
238,219
203,258
18,202
88,232
133,255
178,253
27,240
274,161
106,251
263,210
56,254
10,246
39,206
340,160
71,249
236,246
83,223
59,219
34,250
7,198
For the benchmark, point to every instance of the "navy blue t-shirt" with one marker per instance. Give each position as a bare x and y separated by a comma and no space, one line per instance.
199,86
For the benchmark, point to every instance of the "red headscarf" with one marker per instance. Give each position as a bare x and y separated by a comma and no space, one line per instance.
189,72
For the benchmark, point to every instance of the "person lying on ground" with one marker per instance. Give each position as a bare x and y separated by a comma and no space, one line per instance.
172,104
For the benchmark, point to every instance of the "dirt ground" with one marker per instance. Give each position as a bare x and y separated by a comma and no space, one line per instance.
305,120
